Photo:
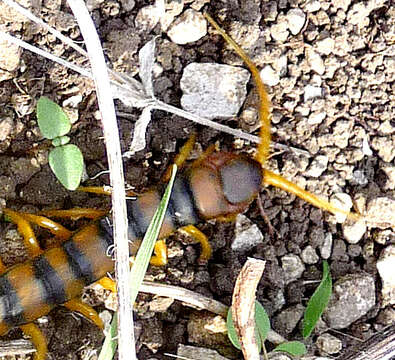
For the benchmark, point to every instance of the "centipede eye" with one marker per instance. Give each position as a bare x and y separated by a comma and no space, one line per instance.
241,180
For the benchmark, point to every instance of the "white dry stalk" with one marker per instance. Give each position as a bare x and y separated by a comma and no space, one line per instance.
126,349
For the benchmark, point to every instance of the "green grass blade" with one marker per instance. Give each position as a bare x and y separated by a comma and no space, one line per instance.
294,348
52,120
140,265
318,302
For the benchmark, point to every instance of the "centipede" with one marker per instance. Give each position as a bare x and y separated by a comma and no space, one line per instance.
218,185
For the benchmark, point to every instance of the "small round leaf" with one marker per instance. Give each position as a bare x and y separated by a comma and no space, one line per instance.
67,164
294,348
232,335
59,141
52,120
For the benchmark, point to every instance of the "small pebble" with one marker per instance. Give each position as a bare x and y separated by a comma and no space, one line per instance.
189,27
269,76
293,267
318,166
328,344
353,231
247,234
309,255
315,61
380,212
326,247
342,201
312,92
10,55
386,268
296,19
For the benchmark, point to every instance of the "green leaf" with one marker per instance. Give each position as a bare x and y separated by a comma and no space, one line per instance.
139,266
67,164
262,326
318,302
294,348
59,141
52,120
262,321
232,335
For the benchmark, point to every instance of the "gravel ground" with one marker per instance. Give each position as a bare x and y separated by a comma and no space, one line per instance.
330,70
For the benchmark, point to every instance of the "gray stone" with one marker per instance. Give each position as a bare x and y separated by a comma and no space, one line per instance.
353,296
309,255
293,267
386,268
286,321
247,234
328,344
380,212
213,90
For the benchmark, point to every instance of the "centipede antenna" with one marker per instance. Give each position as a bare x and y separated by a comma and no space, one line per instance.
264,106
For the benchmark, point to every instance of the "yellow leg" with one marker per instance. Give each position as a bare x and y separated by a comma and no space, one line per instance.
100,190
202,239
84,309
264,106
108,284
181,157
38,340
3,268
76,213
278,181
160,251
25,230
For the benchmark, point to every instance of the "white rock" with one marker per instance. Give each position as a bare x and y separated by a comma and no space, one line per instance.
213,90
325,46
318,166
312,6
247,234
316,117
309,255
269,76
312,92
279,31
380,212
328,344
386,268
326,247
293,267
189,27
296,18
342,201
315,61
354,231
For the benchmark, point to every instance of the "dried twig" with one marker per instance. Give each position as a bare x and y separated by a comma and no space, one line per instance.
243,306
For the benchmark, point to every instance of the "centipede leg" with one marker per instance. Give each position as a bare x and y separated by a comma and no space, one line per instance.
85,310
107,283
38,340
278,181
181,157
202,239
24,228
160,254
76,213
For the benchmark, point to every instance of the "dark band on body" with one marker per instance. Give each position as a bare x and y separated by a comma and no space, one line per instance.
79,263
53,284
13,311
